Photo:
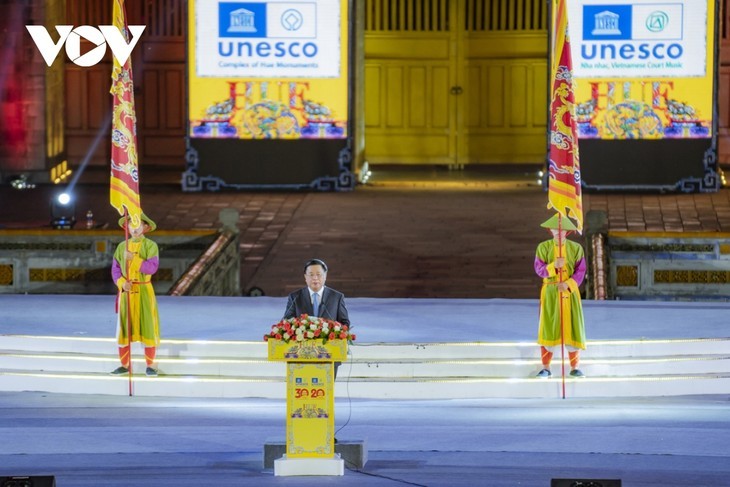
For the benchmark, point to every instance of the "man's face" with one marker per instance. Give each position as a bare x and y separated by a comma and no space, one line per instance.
136,231
315,276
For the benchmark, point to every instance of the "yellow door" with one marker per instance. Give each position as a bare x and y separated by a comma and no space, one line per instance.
410,68
455,81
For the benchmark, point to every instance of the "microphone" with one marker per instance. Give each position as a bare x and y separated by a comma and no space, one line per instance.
289,308
322,307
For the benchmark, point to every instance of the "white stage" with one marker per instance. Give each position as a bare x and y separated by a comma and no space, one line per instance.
440,390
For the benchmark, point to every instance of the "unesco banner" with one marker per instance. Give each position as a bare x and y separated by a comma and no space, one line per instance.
268,39
645,93
269,91
618,39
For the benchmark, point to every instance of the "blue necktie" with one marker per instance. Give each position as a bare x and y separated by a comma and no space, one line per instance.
315,304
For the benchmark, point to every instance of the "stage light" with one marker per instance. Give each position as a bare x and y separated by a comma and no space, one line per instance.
63,212
21,182
255,291
365,173
585,483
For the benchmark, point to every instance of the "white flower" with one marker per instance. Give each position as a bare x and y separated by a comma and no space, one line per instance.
313,326
300,338
310,334
287,336
300,331
337,328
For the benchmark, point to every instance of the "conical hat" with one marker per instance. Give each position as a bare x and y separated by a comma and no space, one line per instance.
145,219
552,222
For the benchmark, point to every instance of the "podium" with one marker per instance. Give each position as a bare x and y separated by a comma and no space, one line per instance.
310,406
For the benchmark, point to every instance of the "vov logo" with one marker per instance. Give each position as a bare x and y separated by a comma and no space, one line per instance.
71,37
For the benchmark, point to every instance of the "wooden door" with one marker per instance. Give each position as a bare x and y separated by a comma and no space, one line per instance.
410,70
158,64
505,81
723,92
455,81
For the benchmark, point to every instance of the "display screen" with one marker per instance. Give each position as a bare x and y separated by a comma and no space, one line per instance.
268,69
643,69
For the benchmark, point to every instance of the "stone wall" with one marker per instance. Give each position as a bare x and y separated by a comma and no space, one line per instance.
79,261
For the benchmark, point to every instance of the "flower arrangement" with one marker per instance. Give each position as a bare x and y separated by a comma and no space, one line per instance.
309,328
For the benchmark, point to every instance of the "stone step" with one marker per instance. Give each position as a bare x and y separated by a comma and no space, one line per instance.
385,367
201,368
367,351
353,452
370,388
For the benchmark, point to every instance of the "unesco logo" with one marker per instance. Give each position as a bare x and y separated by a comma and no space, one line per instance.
273,20
244,30
657,21
292,20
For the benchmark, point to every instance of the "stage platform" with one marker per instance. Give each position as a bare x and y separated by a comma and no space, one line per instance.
494,426
405,349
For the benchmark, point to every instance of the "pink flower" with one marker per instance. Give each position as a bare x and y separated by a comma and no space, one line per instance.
332,336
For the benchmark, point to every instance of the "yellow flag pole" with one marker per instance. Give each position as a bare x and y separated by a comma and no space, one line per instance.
560,301
129,304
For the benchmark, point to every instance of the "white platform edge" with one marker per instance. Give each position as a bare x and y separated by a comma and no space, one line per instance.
287,467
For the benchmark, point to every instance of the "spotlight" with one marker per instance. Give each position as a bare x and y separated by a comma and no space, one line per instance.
255,291
63,212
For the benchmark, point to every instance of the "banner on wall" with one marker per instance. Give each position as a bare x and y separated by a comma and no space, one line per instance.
645,94
644,69
268,70
269,90
268,39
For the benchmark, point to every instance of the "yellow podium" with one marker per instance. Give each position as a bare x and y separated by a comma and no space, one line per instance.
310,406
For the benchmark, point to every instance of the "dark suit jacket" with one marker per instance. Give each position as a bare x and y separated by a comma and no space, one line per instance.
332,305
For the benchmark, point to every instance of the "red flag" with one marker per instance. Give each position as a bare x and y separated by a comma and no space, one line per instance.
564,189
124,184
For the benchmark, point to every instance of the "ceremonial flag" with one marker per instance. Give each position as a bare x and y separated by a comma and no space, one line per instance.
124,185
564,189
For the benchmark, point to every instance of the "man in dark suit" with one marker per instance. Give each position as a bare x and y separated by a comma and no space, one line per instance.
317,300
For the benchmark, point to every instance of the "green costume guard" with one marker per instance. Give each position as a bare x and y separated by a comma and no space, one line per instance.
134,263
561,264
